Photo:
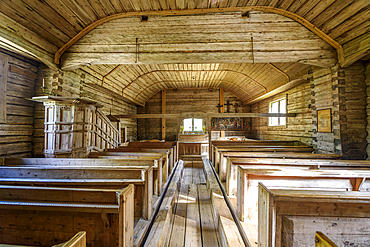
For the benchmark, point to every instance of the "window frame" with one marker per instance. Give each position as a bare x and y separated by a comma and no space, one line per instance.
192,125
279,108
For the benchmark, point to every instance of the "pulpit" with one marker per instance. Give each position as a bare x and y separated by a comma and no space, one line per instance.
75,126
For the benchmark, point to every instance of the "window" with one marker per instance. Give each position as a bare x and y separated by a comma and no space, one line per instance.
278,106
193,125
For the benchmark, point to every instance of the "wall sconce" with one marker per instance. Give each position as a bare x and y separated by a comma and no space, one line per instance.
46,91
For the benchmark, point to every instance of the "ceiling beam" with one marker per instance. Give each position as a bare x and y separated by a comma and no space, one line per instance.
288,14
285,87
206,115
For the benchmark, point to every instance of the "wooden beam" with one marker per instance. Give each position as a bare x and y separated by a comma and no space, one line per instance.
3,82
281,89
206,115
222,108
24,46
163,112
288,14
110,72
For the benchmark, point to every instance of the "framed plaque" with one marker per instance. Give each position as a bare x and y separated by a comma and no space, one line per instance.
324,120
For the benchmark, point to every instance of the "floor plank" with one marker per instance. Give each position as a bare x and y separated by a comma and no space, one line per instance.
209,236
193,232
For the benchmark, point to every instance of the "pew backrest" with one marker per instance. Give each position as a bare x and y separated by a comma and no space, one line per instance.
275,205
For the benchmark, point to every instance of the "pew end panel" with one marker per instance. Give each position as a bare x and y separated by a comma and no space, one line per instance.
48,216
294,216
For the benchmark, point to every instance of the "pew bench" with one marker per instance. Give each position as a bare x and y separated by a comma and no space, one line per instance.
220,161
253,143
78,240
155,162
314,161
87,177
166,168
48,216
297,178
292,217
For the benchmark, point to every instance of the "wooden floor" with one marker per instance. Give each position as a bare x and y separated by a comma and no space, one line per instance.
193,224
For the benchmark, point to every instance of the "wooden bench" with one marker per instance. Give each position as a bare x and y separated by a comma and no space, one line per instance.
87,177
166,169
123,161
252,143
232,163
161,144
297,178
46,216
78,240
220,163
292,217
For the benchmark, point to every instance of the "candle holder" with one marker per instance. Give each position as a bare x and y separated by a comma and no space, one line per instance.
47,91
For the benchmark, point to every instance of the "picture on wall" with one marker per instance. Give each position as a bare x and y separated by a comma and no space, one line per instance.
324,120
232,123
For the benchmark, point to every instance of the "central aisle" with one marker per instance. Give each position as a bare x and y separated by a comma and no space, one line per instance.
193,223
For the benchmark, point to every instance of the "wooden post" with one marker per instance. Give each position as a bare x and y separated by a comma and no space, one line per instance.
163,112
3,81
222,110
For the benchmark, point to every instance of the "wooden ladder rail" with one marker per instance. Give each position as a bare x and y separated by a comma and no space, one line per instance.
232,211
161,198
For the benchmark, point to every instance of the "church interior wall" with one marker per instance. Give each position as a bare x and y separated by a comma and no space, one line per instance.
182,101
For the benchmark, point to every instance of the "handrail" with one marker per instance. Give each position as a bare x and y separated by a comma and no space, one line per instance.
150,225
232,211
115,131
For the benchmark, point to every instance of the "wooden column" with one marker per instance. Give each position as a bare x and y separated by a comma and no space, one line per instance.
163,112
3,81
222,110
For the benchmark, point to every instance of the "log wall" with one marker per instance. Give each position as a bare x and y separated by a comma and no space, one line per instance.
298,128
16,132
367,81
343,91
78,83
352,110
182,101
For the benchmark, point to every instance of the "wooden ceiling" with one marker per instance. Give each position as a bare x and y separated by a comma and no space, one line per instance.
42,27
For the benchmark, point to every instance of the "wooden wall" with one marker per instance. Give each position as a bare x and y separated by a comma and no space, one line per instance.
367,81
343,91
78,83
16,132
353,112
298,128
182,101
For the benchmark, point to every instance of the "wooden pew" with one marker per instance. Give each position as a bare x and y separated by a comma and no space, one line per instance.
117,154
297,178
87,177
232,163
46,216
220,164
252,143
122,161
292,217
161,144
78,240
